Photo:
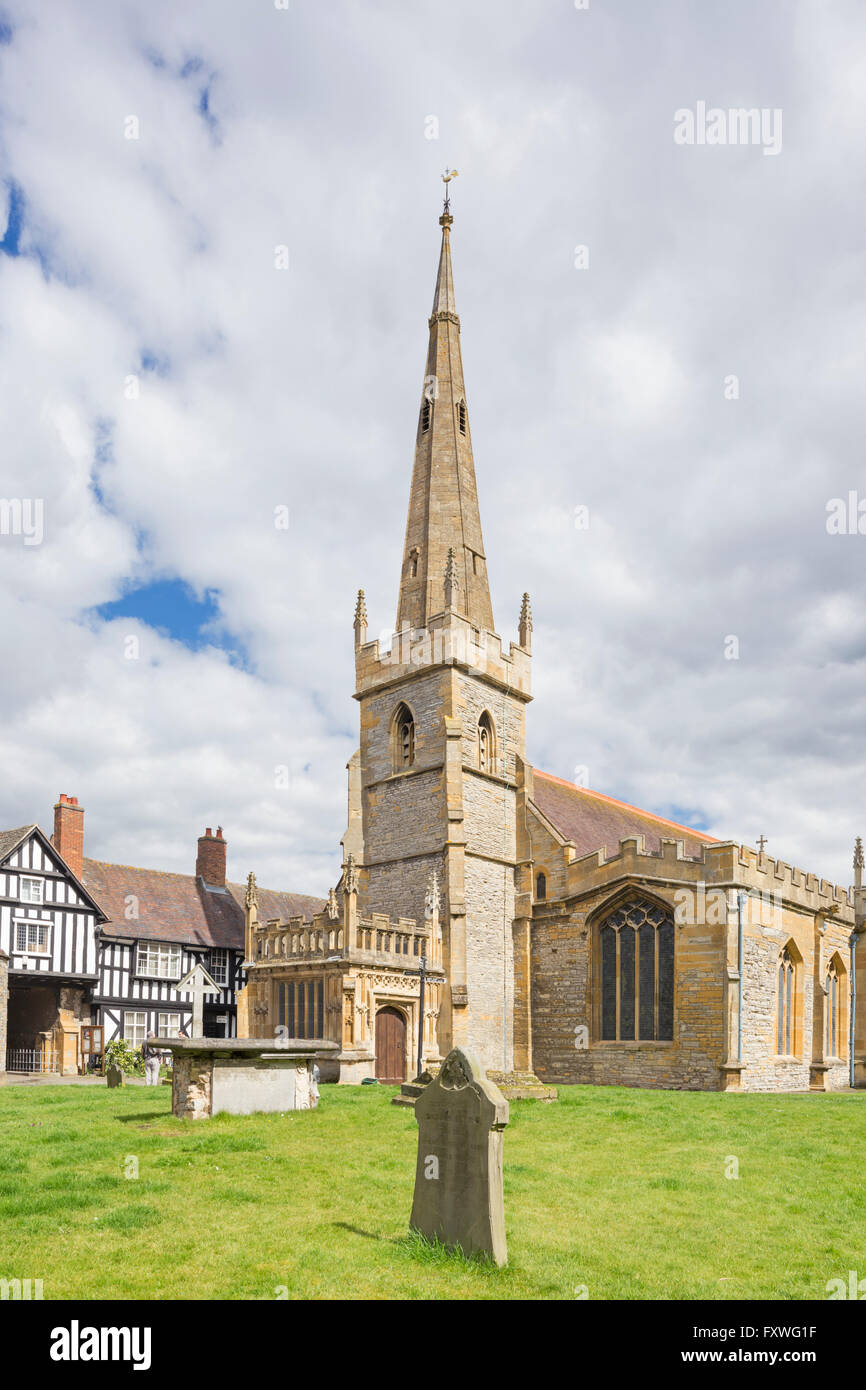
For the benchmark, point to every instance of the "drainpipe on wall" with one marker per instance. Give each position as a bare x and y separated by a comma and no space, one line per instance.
740,897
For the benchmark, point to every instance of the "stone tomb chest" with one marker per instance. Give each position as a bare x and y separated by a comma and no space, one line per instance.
241,1076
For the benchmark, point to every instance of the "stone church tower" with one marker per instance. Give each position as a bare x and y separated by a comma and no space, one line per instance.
433,788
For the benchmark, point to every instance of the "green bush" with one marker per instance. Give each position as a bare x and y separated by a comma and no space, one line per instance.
127,1057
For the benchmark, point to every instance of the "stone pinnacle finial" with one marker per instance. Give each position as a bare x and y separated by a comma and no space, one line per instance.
525,632
452,583
251,897
858,862
360,619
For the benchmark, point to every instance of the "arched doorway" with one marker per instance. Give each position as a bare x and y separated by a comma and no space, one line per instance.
390,1047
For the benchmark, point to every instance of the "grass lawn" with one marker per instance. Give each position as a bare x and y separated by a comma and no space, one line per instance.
621,1191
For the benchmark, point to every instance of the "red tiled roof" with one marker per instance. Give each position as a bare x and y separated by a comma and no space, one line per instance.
176,907
595,821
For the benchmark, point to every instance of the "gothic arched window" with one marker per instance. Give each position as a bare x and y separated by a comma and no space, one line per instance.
785,1004
636,977
403,738
541,887
834,1008
425,415
461,416
486,743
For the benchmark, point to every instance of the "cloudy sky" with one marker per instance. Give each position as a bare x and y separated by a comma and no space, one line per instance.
693,379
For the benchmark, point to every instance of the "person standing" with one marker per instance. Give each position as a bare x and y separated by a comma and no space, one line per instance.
151,1061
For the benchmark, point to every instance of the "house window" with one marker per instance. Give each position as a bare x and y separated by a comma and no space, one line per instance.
425,416
167,1025
301,1008
31,890
486,741
636,948
785,1005
461,416
33,938
134,1027
404,738
157,960
541,887
218,966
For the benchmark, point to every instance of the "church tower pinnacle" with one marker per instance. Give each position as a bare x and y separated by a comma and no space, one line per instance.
443,503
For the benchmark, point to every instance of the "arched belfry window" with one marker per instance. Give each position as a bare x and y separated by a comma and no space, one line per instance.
786,1003
461,416
486,744
425,415
636,976
403,738
541,886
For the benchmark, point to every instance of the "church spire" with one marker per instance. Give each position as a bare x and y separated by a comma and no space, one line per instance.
443,503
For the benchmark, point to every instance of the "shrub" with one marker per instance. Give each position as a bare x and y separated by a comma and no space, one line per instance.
127,1057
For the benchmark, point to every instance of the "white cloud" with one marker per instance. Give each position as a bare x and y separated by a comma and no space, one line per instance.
601,387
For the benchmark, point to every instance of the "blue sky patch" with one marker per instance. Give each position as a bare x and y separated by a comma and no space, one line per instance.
171,607
11,242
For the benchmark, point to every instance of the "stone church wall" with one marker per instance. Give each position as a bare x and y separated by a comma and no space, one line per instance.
562,960
764,938
490,960
473,697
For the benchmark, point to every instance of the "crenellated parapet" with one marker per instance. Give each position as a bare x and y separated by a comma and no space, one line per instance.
339,934
726,863
448,640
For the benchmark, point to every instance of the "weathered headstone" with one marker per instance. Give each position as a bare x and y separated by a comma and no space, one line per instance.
114,1076
458,1181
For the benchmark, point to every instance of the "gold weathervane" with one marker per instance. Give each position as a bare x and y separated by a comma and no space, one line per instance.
446,179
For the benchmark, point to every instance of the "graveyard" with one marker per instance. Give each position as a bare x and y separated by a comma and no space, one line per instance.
609,1194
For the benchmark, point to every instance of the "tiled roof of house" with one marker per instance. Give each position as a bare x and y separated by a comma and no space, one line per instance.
595,821
177,907
11,839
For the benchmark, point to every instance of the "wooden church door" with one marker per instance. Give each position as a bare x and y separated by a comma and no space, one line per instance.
390,1047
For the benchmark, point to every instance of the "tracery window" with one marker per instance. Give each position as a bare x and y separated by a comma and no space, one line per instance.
834,1009
785,1005
636,946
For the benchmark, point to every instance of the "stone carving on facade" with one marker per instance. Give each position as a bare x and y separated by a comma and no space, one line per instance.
333,905
431,898
251,897
397,984
350,877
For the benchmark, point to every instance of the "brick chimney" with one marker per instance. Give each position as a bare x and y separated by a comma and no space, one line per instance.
210,863
68,837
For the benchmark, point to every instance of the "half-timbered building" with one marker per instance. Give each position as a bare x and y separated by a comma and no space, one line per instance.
49,923
93,943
